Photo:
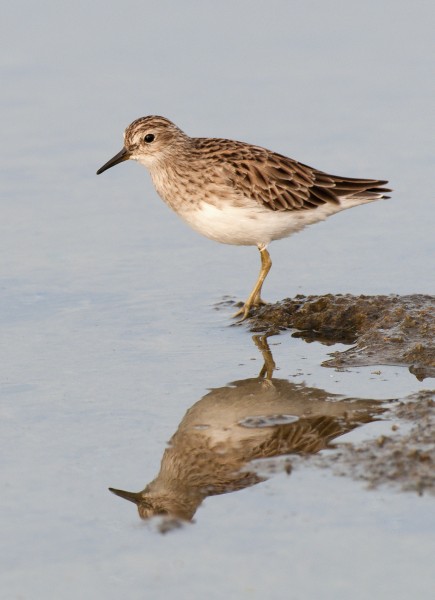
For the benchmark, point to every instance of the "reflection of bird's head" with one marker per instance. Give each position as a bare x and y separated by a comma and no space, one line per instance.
151,504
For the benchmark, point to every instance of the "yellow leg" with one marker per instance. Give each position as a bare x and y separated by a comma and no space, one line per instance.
255,296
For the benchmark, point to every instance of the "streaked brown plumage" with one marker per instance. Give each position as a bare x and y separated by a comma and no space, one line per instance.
237,193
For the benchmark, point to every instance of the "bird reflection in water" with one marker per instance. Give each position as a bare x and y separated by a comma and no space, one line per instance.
221,434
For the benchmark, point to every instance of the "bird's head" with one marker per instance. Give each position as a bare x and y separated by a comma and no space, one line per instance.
149,140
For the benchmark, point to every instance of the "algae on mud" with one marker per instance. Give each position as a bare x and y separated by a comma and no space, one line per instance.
384,330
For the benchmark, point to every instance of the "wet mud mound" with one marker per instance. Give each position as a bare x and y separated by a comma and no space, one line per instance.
383,330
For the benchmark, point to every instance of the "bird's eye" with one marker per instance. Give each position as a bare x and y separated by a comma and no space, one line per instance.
149,138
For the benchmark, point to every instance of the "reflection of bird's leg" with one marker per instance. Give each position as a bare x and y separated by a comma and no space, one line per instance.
255,296
269,364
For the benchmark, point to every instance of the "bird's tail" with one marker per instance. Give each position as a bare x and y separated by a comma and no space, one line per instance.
359,191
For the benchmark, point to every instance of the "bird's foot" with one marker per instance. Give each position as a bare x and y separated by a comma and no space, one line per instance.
246,308
243,312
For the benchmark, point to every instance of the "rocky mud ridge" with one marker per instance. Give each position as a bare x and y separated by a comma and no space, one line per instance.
383,330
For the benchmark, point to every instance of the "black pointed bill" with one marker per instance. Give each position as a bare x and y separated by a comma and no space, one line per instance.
118,158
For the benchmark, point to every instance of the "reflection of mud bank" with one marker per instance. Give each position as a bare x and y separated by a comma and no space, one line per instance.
405,460
387,330
242,433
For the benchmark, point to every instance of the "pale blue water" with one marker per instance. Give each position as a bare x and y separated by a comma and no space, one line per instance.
109,331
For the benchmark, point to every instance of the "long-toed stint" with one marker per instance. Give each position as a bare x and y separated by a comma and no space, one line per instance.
237,193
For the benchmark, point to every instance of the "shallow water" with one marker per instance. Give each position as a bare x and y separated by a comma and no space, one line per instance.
109,306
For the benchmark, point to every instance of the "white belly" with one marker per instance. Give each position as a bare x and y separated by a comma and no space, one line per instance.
250,226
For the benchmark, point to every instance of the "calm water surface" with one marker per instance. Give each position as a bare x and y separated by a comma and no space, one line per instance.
109,324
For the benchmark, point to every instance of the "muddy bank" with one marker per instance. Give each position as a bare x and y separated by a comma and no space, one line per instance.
405,458
383,330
